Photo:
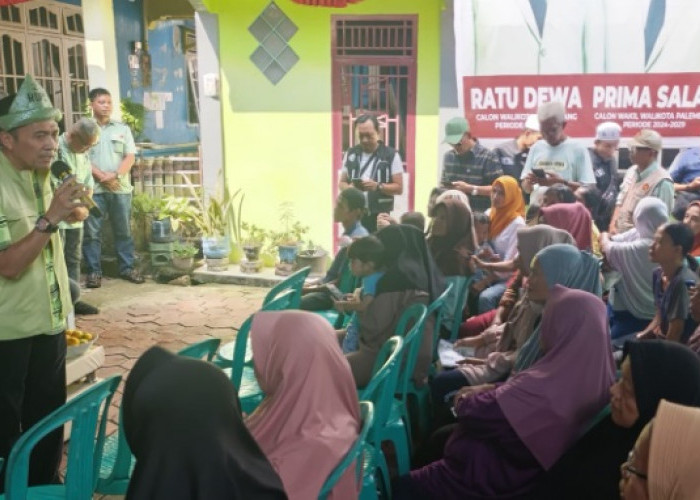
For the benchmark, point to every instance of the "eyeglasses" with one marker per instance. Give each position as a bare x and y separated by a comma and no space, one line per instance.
628,469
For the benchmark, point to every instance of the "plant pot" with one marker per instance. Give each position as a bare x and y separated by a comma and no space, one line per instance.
268,259
252,252
215,247
162,230
315,259
236,254
288,253
182,263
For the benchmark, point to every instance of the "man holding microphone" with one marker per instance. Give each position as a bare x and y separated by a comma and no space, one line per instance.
34,291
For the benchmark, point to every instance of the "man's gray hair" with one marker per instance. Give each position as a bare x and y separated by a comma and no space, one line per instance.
87,129
552,109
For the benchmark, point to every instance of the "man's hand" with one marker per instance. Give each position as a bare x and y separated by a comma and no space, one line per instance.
369,185
694,185
463,186
66,198
111,184
78,214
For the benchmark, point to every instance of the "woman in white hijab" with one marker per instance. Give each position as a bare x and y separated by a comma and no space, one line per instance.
631,297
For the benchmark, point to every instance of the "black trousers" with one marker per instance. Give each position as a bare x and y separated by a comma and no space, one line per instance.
32,385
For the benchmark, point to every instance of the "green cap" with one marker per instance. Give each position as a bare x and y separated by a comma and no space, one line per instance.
30,104
455,129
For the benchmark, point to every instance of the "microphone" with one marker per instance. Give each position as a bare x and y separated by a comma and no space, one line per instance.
61,171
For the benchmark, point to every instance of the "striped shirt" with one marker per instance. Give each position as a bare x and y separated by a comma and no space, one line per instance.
478,166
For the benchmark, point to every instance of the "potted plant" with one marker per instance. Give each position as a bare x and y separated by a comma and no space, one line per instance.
253,242
287,241
144,209
183,255
315,257
218,220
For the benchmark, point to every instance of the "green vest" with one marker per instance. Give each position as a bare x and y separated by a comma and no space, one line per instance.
25,303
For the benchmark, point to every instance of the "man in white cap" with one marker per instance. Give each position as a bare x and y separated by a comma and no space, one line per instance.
556,159
607,140
645,178
512,154
34,288
468,166
685,172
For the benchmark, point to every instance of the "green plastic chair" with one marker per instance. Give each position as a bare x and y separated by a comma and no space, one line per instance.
380,391
398,428
353,454
117,462
86,442
461,298
347,283
206,349
293,282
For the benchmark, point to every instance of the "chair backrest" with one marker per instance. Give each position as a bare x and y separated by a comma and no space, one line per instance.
292,282
436,309
206,349
287,299
239,348
382,386
460,300
347,282
353,454
410,327
86,442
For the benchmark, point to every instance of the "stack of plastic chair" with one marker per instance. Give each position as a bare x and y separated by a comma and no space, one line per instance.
84,452
380,391
354,454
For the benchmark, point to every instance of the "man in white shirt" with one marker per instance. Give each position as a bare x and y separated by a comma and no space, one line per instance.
556,159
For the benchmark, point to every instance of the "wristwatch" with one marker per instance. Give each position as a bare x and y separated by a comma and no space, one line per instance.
43,225
475,191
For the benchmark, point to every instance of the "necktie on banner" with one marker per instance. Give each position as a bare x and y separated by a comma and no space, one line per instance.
539,9
655,20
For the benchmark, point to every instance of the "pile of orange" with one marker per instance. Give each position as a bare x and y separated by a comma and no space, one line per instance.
77,337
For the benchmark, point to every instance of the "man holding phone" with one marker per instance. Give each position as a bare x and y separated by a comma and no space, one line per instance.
374,168
468,166
556,159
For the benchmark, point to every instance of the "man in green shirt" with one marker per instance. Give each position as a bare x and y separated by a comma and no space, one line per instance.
112,158
34,289
72,148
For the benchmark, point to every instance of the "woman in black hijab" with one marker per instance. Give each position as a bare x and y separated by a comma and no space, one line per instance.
183,423
410,277
651,370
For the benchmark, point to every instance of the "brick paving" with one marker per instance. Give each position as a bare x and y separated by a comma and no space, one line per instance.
135,317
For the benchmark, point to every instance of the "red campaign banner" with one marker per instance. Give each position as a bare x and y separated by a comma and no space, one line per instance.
497,106
5,3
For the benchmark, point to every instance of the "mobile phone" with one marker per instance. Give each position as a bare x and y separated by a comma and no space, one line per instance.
356,181
689,284
335,293
539,172
447,184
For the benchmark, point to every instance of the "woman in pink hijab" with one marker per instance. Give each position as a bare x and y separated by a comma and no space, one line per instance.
572,217
310,416
507,435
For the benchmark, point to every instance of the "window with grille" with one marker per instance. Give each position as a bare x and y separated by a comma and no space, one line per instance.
46,39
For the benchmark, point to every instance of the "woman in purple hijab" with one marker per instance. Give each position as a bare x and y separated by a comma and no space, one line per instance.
507,436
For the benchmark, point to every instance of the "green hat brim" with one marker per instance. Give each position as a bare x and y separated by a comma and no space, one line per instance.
15,120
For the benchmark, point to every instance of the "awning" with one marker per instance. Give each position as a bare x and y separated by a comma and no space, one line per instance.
325,3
